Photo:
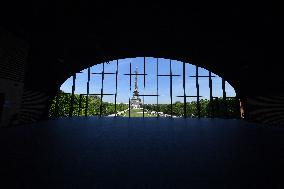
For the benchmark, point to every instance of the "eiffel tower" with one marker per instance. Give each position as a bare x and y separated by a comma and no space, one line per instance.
135,102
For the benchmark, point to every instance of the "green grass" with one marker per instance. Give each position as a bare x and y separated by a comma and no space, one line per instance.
137,113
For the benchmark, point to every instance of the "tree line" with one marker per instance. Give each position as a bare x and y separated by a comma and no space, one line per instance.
61,105
217,108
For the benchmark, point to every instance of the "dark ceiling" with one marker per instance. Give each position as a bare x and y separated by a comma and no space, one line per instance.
240,43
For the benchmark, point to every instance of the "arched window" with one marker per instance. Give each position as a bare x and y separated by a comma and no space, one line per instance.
146,87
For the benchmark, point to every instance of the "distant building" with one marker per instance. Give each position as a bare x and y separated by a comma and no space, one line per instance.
135,101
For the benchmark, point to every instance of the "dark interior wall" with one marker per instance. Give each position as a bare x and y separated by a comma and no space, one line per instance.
13,53
238,43
2,99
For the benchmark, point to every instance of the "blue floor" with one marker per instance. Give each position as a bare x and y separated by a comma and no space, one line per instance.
142,153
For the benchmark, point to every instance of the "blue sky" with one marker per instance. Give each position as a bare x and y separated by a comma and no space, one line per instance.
151,81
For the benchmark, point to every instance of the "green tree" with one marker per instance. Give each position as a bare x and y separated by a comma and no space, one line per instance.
228,108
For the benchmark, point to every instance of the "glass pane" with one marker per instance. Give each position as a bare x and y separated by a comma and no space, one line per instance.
124,94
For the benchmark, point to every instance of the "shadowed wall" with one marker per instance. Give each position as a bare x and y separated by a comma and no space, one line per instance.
237,43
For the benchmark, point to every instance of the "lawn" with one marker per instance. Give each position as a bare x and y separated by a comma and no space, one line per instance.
137,113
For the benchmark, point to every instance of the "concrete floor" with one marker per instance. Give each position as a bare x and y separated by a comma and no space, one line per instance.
142,153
